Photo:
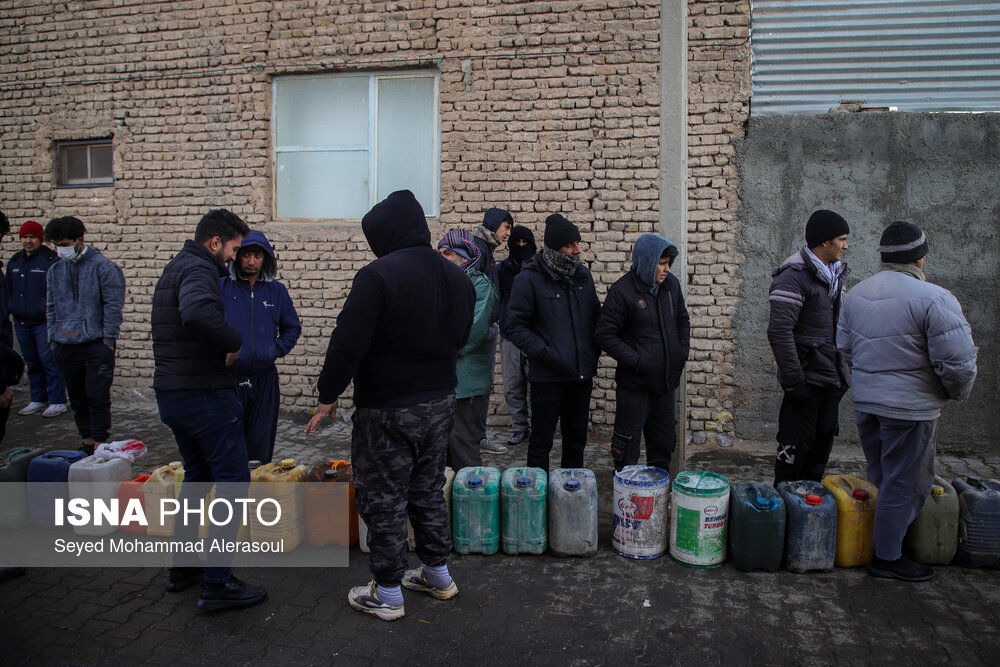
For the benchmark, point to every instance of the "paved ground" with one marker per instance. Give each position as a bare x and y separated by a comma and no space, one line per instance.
538,610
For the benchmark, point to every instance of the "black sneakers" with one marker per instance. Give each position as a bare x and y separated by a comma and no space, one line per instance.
902,568
231,594
183,578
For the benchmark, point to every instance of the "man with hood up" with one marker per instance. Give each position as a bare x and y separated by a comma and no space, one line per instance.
398,334
513,363
644,325
259,306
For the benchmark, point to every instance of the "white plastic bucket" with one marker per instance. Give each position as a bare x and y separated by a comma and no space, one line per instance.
639,522
699,517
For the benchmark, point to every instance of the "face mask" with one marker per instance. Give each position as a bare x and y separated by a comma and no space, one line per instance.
67,253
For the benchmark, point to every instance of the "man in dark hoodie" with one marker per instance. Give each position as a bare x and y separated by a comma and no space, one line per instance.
513,363
551,315
259,306
398,334
644,325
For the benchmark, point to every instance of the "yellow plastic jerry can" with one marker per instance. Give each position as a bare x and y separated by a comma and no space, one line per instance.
855,518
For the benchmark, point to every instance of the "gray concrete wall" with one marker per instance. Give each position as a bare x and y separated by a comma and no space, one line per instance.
940,171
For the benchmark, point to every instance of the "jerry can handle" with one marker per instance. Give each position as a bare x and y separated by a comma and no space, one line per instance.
16,452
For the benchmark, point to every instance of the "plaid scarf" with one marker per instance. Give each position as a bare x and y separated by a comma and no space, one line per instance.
564,265
461,242
491,239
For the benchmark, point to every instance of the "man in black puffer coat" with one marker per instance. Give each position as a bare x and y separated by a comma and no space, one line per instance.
644,325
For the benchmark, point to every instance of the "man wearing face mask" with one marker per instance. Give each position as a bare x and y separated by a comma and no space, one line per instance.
513,363
85,294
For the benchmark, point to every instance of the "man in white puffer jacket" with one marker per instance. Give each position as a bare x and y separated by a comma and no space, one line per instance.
911,352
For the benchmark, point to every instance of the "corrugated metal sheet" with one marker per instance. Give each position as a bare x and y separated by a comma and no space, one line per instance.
915,55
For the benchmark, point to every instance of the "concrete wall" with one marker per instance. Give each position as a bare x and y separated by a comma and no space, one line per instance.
939,171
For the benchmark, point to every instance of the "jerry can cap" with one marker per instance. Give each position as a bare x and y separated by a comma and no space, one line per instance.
814,499
174,464
937,490
255,463
860,494
287,463
474,482
765,503
974,480
572,485
522,482
330,474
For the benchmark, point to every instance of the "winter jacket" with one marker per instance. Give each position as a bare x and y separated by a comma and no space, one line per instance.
191,336
408,314
475,376
11,363
26,276
909,346
648,335
84,299
264,314
487,263
507,270
803,323
553,324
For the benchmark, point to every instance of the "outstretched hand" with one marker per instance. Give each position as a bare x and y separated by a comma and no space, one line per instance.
328,410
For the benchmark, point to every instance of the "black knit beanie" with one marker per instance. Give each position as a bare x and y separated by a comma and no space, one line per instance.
902,243
494,217
824,225
559,232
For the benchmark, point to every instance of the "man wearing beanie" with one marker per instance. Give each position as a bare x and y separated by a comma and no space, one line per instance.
551,315
805,298
26,277
911,353
513,363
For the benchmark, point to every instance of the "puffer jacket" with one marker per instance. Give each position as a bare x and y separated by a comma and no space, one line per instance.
475,377
910,348
802,327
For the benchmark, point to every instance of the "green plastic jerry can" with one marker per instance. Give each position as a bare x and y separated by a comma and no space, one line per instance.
933,536
475,503
523,492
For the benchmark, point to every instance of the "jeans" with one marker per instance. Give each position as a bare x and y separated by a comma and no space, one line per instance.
491,358
807,424
46,383
639,413
567,403
259,396
89,370
514,367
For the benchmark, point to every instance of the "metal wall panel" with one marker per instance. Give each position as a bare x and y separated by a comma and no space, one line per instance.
914,55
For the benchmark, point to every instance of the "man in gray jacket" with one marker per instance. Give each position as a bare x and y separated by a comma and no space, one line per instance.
911,352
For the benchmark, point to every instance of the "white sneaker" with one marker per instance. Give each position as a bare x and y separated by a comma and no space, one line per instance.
365,599
54,410
414,580
31,408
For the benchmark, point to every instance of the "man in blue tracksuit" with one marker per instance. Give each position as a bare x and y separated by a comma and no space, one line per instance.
259,306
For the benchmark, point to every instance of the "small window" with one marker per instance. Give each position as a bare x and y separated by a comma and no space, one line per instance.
84,163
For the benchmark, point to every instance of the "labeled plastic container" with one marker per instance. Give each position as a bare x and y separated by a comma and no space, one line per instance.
523,515
13,497
979,522
127,493
932,538
163,483
323,502
572,512
699,518
280,482
449,479
855,498
475,502
756,527
53,469
639,515
97,479
810,526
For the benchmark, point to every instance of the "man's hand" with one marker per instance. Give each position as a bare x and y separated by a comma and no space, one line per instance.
322,410
232,357
6,397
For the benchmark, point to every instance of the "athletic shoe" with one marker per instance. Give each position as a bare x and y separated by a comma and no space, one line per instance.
54,410
414,580
232,594
902,568
183,578
517,437
489,447
365,599
31,408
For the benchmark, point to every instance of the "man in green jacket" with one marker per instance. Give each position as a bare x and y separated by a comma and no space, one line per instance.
475,374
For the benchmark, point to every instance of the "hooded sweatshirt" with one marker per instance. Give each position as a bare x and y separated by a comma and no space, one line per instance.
408,314
84,299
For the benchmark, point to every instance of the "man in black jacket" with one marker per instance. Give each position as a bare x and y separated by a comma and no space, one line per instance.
513,363
551,315
193,345
408,314
805,299
644,325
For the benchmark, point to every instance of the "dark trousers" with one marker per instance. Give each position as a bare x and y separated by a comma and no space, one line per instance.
259,396
89,370
807,425
900,457
567,403
463,441
207,426
45,382
398,456
491,357
4,415
638,414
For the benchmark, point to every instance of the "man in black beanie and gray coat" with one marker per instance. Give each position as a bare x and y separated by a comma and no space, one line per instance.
805,303
551,316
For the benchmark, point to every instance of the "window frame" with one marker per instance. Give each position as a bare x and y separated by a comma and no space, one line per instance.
90,182
373,137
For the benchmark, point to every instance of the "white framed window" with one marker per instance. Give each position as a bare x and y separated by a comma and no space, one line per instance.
343,142
84,163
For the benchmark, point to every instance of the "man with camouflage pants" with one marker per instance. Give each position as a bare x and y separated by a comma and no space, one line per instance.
398,335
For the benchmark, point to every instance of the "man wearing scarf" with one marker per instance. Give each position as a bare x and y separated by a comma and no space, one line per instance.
644,325
513,363
551,315
475,373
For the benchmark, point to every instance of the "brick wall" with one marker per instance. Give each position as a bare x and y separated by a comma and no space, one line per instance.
545,107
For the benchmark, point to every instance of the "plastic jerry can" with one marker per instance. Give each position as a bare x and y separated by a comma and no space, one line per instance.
14,498
279,482
52,468
810,526
128,491
164,482
756,527
572,512
98,479
979,522
523,492
639,512
855,498
449,479
322,502
475,501
932,538
699,518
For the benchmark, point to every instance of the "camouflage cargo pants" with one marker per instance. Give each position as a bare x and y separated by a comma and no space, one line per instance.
398,455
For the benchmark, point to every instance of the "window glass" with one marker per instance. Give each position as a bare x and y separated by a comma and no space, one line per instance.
322,111
100,162
322,184
75,161
407,156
